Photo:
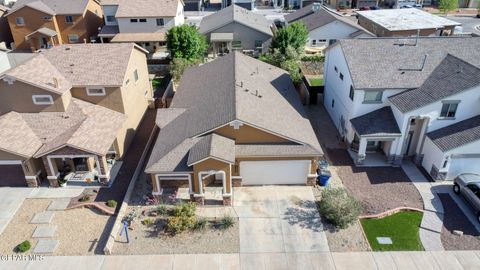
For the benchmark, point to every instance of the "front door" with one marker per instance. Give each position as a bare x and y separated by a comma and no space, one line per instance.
80,164
409,142
44,42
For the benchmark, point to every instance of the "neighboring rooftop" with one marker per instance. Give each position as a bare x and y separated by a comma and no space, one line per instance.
145,8
456,135
52,7
392,63
406,19
380,122
235,13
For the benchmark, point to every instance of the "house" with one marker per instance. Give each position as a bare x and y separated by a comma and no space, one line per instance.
73,118
416,98
326,26
142,22
235,28
405,23
350,4
39,24
5,34
10,59
245,125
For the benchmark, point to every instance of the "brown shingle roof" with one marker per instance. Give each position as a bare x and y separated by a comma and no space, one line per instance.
212,146
16,136
53,7
145,8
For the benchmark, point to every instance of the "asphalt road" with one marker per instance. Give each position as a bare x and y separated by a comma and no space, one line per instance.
469,24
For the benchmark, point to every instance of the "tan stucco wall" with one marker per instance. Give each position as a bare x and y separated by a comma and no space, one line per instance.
211,164
112,99
18,97
248,134
84,25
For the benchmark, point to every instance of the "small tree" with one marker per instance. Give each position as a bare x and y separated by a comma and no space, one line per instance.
448,5
289,61
186,42
294,35
339,208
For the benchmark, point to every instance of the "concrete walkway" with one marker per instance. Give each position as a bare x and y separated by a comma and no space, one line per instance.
432,222
450,260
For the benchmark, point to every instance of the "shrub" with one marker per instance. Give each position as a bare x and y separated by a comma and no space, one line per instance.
147,221
112,203
313,58
84,198
162,209
180,223
185,209
24,246
200,224
226,222
339,208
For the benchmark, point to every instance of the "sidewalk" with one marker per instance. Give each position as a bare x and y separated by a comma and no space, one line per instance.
261,261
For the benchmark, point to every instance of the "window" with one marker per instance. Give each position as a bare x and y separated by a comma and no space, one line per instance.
72,38
331,41
99,91
445,163
237,44
333,103
373,96
127,81
322,41
142,20
133,20
111,18
314,42
42,99
352,93
147,44
20,21
69,19
341,76
336,69
160,22
449,109
47,18
135,75
258,44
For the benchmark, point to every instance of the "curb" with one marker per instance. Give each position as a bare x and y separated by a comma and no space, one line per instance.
391,212
117,225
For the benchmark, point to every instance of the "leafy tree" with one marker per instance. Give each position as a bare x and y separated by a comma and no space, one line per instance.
448,5
186,42
294,35
289,61
178,66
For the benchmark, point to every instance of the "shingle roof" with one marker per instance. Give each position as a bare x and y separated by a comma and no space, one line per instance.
451,76
212,146
222,98
165,116
53,7
378,63
44,31
139,37
109,30
251,150
146,8
380,122
235,13
16,136
456,135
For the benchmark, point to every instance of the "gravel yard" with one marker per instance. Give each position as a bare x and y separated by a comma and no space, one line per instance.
455,219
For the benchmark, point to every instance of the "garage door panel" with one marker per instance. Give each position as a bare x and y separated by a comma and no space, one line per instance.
12,176
463,165
278,172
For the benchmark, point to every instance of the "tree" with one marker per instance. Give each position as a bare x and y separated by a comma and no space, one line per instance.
186,42
294,35
178,66
289,61
448,5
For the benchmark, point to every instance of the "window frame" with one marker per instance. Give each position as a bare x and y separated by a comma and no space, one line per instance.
133,20
50,102
135,75
376,100
70,40
336,69
341,76
103,91
66,19
110,16
259,42
162,20
142,20
236,42
351,94
20,24
449,103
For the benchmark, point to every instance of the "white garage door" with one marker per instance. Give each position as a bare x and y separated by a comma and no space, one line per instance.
278,172
463,165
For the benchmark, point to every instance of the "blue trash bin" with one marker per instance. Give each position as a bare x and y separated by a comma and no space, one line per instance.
324,177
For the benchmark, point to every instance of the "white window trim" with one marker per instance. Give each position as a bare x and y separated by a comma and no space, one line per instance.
73,35
42,96
19,24
96,94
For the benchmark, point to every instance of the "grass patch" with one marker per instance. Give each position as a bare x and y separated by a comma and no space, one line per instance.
316,82
401,227
156,83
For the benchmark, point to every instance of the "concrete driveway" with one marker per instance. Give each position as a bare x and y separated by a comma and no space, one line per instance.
278,219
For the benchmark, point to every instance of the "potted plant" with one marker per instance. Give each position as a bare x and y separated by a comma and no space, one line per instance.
61,180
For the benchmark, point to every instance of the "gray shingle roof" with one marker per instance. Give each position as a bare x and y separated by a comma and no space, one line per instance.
215,146
456,135
146,8
214,94
235,13
53,7
379,123
451,76
378,63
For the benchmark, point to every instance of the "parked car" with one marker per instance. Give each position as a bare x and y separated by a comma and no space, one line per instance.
468,185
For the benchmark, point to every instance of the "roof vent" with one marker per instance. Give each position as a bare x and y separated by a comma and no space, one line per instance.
256,94
459,69
316,7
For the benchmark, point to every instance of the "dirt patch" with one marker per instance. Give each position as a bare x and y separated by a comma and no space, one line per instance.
455,219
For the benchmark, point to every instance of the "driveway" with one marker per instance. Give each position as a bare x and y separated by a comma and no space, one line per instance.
278,219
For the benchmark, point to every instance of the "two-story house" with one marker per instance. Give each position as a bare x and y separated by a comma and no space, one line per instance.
396,98
39,24
143,22
75,116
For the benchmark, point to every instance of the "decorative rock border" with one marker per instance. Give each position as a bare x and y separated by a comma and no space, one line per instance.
98,205
391,212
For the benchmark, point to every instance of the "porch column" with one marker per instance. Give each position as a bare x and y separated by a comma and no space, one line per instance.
103,170
52,171
101,39
393,158
362,149
421,139
227,187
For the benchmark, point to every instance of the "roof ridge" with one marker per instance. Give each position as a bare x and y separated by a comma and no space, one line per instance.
235,96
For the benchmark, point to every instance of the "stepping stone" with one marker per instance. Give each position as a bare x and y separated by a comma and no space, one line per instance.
58,204
44,231
42,218
45,246
384,240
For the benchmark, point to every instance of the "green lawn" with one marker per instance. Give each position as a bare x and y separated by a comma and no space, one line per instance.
156,82
401,227
316,82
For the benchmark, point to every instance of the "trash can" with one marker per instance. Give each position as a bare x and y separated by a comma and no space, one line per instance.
324,177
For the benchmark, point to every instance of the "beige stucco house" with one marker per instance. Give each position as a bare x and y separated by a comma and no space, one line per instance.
244,125
74,117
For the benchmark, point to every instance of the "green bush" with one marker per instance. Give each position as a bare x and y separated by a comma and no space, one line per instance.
112,203
147,221
313,58
226,222
162,210
339,208
200,224
180,224
24,246
185,209
84,198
